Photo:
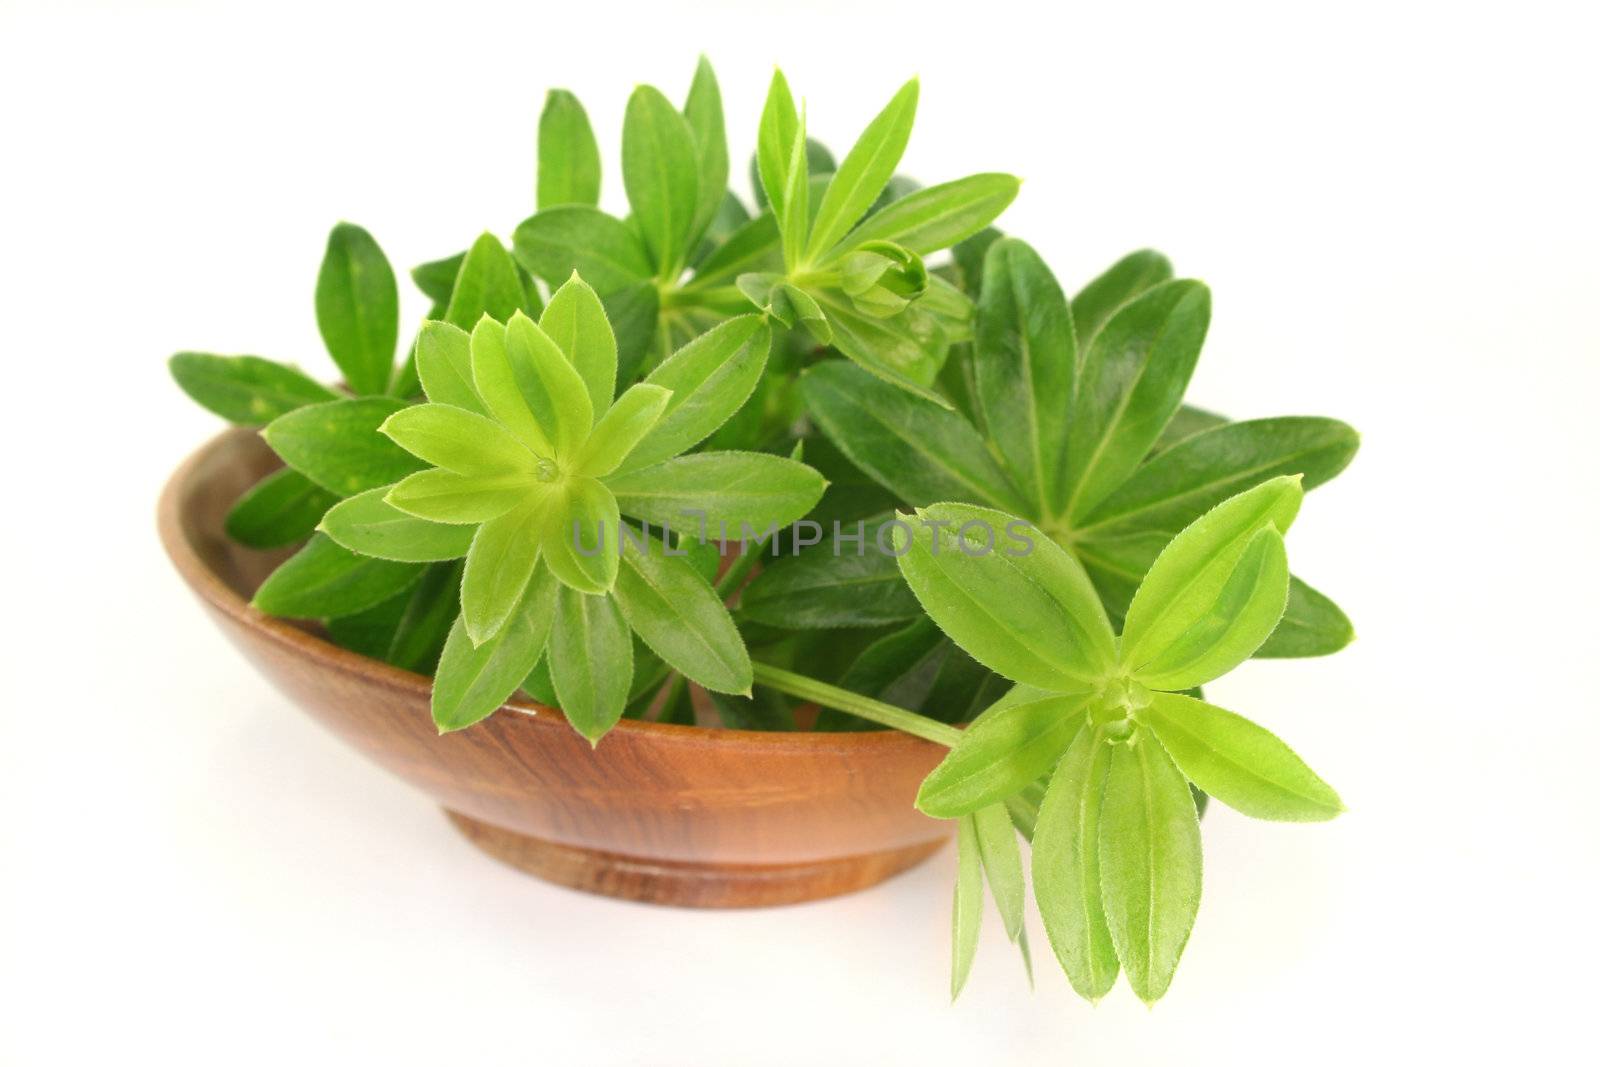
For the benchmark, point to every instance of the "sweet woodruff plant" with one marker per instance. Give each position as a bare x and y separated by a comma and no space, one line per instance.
1001,528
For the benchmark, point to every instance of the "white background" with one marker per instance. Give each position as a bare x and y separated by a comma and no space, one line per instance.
1395,207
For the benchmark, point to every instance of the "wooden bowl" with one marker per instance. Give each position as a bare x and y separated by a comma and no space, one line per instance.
669,814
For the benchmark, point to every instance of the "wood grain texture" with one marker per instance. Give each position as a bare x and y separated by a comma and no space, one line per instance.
671,814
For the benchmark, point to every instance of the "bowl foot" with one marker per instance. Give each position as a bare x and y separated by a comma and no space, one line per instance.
691,885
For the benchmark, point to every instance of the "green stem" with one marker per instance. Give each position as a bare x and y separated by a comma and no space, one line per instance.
736,573
798,685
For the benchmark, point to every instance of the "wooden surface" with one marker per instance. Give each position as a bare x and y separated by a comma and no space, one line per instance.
672,814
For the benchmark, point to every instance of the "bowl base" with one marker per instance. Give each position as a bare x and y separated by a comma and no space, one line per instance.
689,885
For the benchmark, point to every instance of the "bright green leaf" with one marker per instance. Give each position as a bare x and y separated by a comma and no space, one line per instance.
1005,750
580,541
1312,625
569,157
723,490
473,680
621,429
369,525
967,912
591,661
864,172
1002,862
551,387
576,321
710,378
487,285
1066,866
937,217
1149,864
445,496
703,110
1238,762
458,440
1014,599
660,172
677,613
499,564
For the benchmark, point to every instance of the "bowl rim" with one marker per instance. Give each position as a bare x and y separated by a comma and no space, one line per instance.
210,587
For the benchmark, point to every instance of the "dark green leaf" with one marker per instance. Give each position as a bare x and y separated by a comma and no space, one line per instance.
1312,625
833,584
487,285
358,308
338,446
606,252
1132,380
1025,361
245,390
324,580
1127,278
280,509
914,448
1180,484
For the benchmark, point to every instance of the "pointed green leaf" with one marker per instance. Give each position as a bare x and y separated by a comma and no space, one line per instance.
1014,599
1005,750
906,350
358,308
780,125
444,366
864,172
499,564
369,525
445,496
724,490
580,541
280,509
633,311
967,912
1002,863
1190,574
1239,616
677,613
576,321
569,157
325,580
551,387
591,661
424,623
245,390
1126,279
1187,421
703,109
487,285
1238,762
1312,625
338,446
660,172
499,385
458,440
621,429
710,378
914,448
935,218
437,279
473,680
1025,362
1132,380
1066,866
1181,483
752,248
1149,864
834,584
